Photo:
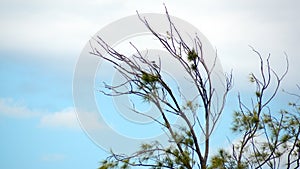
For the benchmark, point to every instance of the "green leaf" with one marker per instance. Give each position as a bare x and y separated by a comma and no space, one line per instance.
192,55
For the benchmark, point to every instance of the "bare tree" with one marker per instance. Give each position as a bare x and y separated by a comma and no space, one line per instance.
268,139
265,136
143,78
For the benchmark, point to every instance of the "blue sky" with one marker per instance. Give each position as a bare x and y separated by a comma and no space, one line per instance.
40,42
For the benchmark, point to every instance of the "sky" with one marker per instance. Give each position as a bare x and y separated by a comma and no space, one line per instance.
41,41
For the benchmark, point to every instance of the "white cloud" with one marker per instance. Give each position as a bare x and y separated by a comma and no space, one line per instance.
11,108
90,122
53,157
53,26
58,33
65,118
62,119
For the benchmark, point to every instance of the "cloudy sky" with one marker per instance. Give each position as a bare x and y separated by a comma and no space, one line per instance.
41,40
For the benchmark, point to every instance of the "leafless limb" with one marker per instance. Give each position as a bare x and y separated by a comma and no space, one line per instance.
143,79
